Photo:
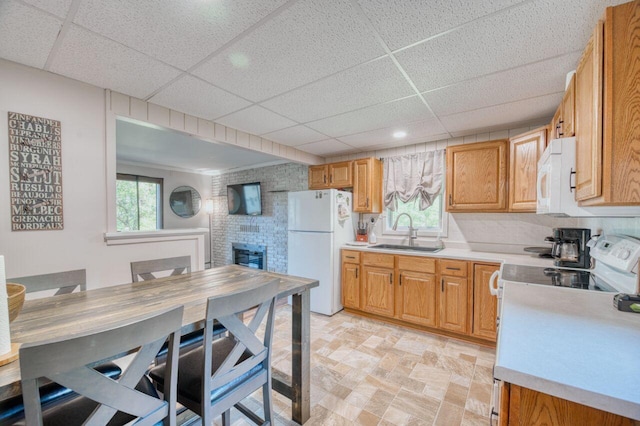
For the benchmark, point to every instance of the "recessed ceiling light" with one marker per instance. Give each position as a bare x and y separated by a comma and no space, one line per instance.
399,134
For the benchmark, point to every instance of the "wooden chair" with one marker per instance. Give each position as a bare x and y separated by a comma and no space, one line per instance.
103,400
221,373
145,268
64,282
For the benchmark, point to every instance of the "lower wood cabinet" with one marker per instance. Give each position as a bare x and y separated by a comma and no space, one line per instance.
485,305
521,406
417,290
378,290
439,294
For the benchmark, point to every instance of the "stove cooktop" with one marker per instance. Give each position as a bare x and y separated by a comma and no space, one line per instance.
571,278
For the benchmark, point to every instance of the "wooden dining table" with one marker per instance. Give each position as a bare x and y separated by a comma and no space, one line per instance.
65,315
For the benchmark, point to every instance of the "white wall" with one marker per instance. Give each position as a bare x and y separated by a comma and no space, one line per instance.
81,110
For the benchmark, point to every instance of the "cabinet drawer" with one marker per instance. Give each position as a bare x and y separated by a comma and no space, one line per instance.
454,268
350,256
378,259
417,264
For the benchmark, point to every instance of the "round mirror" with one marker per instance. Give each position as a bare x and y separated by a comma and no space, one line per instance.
185,201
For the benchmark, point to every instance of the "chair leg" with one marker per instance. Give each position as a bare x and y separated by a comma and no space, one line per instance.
266,400
226,418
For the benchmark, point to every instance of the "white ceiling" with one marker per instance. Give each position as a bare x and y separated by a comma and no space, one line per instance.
329,77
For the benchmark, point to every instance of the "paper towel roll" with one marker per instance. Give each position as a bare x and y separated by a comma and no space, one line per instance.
5,332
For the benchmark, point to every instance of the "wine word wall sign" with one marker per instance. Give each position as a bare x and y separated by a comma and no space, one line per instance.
35,173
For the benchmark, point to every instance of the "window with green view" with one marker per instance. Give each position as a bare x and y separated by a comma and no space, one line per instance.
138,203
427,221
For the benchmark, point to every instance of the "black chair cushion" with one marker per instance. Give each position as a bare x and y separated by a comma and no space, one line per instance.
190,370
74,411
191,340
12,409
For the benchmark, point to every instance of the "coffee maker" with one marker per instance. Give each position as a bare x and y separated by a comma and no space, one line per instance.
570,247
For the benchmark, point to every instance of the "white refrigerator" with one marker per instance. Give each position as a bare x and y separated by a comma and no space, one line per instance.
320,222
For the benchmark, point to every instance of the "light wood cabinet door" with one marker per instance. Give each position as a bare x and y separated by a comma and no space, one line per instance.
351,285
454,301
588,125
318,177
340,175
477,177
533,408
485,306
378,289
419,294
525,151
567,128
367,185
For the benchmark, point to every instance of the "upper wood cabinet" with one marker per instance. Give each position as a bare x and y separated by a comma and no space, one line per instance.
333,175
562,125
568,105
607,105
318,177
477,177
367,185
589,118
525,151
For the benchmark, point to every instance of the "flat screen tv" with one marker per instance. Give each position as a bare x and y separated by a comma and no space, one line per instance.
244,199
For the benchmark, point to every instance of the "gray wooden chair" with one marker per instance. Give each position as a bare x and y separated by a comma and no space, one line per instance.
145,269
64,282
69,362
220,374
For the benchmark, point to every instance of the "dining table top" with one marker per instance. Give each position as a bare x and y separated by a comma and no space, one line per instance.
76,313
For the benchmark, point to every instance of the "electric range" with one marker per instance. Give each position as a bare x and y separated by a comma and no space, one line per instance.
559,277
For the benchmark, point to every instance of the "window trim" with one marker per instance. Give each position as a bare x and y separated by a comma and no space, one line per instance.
159,195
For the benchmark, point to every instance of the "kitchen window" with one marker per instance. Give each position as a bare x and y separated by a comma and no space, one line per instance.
429,222
138,203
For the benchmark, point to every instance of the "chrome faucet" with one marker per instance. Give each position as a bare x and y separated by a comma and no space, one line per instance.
413,233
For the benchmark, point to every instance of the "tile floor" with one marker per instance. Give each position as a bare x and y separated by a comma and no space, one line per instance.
366,372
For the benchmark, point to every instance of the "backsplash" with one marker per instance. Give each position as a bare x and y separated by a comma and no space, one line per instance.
270,229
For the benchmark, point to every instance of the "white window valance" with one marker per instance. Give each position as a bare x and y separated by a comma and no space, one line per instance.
408,177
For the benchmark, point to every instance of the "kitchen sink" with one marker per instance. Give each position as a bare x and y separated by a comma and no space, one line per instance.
407,248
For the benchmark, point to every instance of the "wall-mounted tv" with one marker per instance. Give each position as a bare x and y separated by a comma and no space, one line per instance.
244,199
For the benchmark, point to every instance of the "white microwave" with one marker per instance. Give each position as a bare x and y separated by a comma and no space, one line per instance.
556,185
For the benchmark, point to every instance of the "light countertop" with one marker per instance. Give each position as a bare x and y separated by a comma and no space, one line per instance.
455,253
570,344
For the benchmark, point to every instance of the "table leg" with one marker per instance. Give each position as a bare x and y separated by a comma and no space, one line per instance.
301,357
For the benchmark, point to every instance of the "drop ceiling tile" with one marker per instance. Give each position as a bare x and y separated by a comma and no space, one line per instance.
524,82
420,131
374,117
327,147
401,22
310,40
57,7
504,116
296,135
88,57
368,84
256,120
27,34
502,41
196,97
180,33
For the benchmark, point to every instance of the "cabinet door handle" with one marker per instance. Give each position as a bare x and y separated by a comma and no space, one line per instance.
367,201
450,201
324,178
391,278
400,278
350,257
331,178
356,272
452,269
442,285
